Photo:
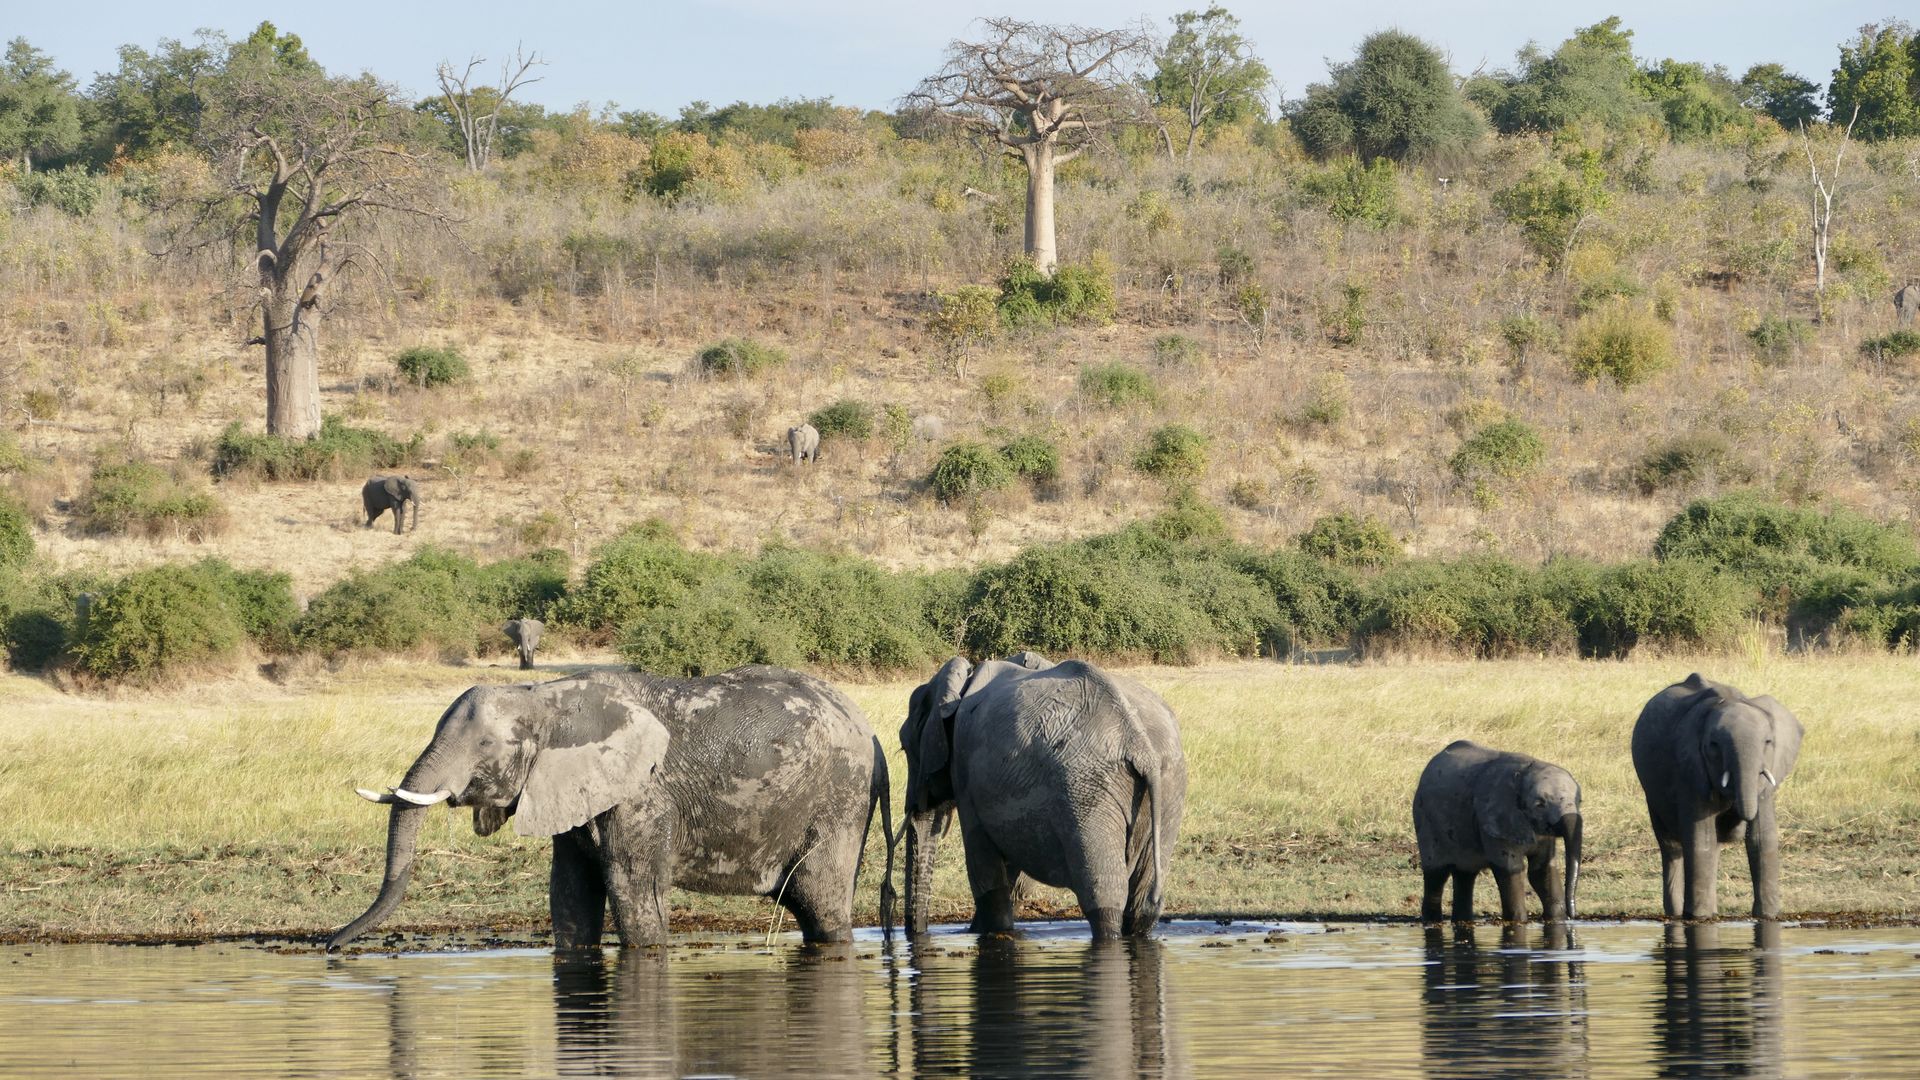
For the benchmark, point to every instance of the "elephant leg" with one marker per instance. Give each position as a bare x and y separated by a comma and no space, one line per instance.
1547,886
636,859
1463,894
1763,862
987,878
819,892
1672,865
1701,856
576,892
1434,882
399,518
1513,892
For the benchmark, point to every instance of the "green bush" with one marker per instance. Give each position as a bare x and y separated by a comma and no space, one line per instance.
969,469
1326,404
1892,346
844,419
138,498
1679,604
1345,540
1777,338
16,534
1780,551
154,622
337,452
37,614
262,601
421,602
1117,385
1486,606
1355,193
636,573
1032,457
740,358
844,612
1177,350
71,190
426,366
1702,457
1621,342
1318,602
1072,294
1525,332
1174,452
1505,450
714,627
528,587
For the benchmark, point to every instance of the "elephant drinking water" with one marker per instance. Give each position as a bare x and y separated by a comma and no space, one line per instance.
1478,809
755,782
1062,773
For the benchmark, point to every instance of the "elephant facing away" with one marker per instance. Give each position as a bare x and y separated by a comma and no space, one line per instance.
382,493
1479,809
1711,761
754,782
525,635
1906,303
803,443
1062,773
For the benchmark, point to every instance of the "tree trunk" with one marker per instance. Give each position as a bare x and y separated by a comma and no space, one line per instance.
1040,242
293,364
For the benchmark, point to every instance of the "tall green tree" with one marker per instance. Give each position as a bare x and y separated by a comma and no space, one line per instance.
1207,75
1395,99
39,108
1879,74
1695,101
155,99
1779,93
1590,78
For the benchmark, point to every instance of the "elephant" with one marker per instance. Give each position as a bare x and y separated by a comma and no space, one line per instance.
1711,761
1478,809
754,782
1906,302
382,493
1060,773
803,443
1722,1002
525,635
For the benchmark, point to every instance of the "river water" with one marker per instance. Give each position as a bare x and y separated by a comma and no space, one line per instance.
1200,1000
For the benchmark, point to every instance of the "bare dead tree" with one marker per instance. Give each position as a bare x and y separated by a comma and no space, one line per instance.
295,156
1043,93
1824,189
476,110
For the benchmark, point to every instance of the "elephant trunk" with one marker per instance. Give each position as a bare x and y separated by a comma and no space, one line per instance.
1570,830
920,844
403,829
526,658
1746,792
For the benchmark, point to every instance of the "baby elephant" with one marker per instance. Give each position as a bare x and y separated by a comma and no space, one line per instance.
525,635
383,493
803,442
1711,760
1477,809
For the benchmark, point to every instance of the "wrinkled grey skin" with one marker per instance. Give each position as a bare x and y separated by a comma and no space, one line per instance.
754,782
382,493
1479,809
1711,760
1906,302
525,635
1061,773
803,443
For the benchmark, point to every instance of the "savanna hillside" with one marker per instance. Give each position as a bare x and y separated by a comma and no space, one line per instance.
1476,346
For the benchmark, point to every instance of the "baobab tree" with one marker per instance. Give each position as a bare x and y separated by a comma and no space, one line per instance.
1043,93
296,154
476,109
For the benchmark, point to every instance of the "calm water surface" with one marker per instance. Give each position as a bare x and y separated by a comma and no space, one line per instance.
1199,1000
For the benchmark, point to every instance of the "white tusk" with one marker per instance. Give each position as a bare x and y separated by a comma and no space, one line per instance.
372,796
1725,778
422,800
1770,778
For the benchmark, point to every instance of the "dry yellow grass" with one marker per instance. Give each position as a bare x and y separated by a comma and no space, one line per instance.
228,808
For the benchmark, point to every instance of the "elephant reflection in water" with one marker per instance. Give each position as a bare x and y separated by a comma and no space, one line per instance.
1035,1012
645,1014
1721,1010
1503,1010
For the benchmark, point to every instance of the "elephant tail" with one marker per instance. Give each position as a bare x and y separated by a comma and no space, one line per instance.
1148,873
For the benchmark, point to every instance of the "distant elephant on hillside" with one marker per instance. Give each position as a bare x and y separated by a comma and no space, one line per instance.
525,635
383,493
1479,809
1711,760
803,442
1906,303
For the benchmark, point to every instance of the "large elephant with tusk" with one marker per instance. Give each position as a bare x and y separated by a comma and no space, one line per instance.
757,781
1711,761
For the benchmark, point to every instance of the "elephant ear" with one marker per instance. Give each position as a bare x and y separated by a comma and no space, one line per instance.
1500,809
597,750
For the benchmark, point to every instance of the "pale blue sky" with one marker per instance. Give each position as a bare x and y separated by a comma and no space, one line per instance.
659,56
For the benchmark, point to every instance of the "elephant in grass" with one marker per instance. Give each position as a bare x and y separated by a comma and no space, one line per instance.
803,443
1711,761
1906,303
1062,773
1479,809
754,782
382,493
525,635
